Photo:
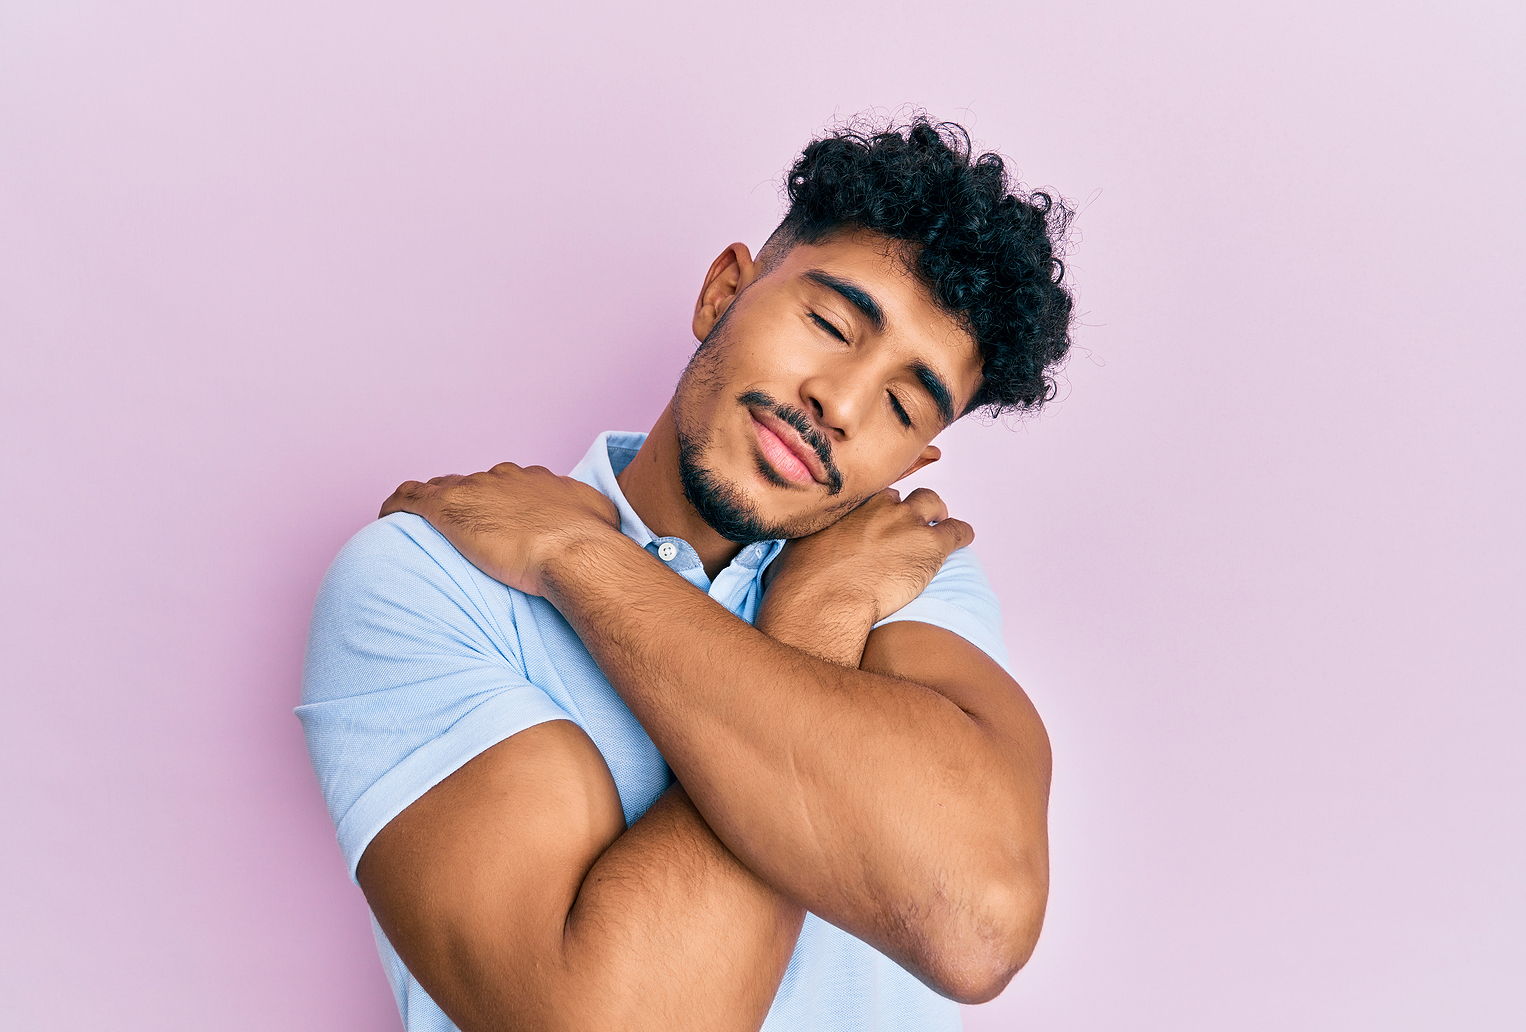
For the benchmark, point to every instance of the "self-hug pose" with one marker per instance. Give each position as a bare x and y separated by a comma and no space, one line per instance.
716,732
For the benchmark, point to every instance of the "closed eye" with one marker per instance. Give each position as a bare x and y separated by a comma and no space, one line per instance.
895,402
833,330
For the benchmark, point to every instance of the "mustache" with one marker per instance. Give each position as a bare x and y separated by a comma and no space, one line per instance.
797,419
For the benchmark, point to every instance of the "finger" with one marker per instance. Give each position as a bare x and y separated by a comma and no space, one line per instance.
407,498
955,533
504,467
448,478
925,503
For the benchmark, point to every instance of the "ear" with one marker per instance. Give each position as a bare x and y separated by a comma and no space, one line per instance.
731,271
929,454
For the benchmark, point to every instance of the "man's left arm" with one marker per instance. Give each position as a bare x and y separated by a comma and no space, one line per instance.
904,801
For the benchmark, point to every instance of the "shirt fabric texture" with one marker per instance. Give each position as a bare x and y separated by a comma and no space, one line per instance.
417,661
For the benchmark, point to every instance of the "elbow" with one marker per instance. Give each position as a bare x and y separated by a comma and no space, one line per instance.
976,963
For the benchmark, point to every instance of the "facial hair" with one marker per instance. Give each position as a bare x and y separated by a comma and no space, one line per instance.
718,501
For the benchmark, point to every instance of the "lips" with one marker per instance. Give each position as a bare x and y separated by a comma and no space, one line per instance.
792,440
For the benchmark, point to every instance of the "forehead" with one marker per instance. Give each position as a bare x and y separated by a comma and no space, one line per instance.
879,265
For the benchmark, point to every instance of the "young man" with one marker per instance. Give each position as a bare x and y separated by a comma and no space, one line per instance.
716,732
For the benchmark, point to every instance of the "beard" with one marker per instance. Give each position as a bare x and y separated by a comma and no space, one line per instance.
720,502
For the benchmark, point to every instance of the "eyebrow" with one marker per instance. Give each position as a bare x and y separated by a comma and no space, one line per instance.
870,309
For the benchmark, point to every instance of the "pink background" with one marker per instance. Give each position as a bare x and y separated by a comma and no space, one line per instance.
1260,562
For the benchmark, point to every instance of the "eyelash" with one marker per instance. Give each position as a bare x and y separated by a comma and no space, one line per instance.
895,402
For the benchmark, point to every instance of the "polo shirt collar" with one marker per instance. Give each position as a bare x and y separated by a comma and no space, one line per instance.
610,452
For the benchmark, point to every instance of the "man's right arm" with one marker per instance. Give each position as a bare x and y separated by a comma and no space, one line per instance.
516,896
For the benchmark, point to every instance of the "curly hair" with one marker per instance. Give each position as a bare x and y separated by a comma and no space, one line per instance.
990,258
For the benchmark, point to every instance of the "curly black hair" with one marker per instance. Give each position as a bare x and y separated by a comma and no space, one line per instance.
991,258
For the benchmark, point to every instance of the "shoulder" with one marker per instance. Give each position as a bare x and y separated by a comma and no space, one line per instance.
962,581
960,598
408,674
963,574
400,555
400,540
399,582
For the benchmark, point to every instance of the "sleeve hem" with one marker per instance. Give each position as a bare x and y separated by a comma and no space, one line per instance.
484,726
950,617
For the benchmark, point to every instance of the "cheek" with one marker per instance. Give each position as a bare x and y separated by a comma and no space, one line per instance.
887,475
769,346
780,360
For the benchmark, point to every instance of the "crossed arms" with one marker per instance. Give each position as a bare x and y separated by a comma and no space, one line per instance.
893,782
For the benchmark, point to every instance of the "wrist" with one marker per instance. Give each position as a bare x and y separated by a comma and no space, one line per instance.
789,597
831,625
578,550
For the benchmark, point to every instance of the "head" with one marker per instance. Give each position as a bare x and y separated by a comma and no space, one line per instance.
906,287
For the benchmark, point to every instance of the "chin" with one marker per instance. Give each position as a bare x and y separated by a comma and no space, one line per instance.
728,502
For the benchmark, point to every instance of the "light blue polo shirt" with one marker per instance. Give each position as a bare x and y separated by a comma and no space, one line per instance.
417,661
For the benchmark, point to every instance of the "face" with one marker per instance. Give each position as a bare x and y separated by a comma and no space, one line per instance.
839,344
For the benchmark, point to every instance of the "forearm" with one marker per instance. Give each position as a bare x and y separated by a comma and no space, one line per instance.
669,929
670,932
867,799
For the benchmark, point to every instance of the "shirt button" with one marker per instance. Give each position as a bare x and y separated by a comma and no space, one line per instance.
667,550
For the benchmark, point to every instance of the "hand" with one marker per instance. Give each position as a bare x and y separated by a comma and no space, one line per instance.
510,521
882,554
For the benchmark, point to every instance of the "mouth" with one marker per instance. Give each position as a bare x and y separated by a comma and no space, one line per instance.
784,450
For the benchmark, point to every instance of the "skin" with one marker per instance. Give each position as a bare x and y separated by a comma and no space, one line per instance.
894,782
759,339
562,918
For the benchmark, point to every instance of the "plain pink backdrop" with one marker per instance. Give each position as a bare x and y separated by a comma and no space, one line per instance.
1260,561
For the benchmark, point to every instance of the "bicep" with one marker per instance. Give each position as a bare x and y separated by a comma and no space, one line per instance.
954,667
473,881
949,638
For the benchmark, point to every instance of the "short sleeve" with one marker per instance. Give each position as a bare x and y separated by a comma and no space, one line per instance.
959,598
407,675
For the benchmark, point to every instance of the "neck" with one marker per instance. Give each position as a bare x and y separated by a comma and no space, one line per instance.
651,485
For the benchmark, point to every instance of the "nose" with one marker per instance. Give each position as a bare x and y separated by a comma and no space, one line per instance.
838,400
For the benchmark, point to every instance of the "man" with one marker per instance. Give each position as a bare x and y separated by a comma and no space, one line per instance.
716,732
